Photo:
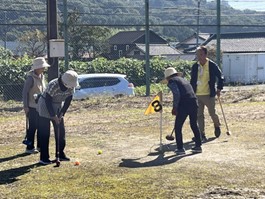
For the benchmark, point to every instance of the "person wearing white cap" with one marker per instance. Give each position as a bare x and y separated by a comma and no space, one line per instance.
34,85
52,106
184,104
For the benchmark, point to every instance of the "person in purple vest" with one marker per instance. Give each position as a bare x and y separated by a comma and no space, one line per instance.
33,86
184,104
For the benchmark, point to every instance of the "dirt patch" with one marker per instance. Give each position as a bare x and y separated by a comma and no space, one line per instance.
220,192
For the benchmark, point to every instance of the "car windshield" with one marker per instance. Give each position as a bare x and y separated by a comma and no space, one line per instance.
99,82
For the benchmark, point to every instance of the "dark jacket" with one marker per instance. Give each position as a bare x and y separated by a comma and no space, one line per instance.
183,93
214,72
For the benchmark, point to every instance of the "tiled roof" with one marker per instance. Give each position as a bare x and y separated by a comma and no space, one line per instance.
204,35
193,38
240,42
126,37
159,49
131,37
188,57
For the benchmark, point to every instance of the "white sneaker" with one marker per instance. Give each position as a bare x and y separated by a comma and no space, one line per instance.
180,151
31,151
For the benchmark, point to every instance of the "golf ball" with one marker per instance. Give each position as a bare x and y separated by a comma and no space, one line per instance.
99,152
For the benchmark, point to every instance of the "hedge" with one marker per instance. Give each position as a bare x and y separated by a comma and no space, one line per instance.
13,71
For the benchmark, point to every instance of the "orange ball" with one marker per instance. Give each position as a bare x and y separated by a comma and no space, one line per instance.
77,163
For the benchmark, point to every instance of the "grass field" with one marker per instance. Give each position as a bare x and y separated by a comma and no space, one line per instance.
131,164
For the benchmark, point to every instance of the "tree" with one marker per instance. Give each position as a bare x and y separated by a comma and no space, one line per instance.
33,43
87,40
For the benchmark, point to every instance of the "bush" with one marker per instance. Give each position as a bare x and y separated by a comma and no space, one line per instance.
13,71
134,69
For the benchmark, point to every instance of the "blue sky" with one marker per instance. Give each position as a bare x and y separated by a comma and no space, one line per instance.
258,5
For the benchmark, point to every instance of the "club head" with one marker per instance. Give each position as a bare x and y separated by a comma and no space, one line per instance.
57,163
170,137
228,133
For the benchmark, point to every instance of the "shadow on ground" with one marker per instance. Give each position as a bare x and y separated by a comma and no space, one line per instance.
161,158
13,157
11,175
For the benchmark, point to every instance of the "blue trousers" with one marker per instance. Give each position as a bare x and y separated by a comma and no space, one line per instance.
33,118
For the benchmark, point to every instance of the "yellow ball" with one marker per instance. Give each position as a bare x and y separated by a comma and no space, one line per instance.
99,152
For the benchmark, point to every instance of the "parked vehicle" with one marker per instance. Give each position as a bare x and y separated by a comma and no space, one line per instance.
103,84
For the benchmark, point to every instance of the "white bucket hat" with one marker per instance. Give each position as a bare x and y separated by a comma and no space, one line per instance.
70,79
38,63
170,71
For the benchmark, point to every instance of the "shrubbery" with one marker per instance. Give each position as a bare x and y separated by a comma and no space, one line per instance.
13,71
134,69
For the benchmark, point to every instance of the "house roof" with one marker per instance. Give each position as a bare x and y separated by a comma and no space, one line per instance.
192,39
188,57
130,37
239,42
158,49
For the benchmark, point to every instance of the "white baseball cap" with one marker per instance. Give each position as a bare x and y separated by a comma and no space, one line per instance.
70,79
38,63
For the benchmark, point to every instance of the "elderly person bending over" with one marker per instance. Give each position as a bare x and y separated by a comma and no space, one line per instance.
51,107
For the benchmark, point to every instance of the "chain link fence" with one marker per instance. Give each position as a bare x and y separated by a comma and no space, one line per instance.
108,29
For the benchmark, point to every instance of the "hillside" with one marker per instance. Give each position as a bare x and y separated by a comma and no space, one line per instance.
174,20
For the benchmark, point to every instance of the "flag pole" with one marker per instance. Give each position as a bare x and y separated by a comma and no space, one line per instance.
161,145
161,119
156,105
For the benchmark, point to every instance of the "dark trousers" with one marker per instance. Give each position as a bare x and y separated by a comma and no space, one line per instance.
44,131
33,118
187,108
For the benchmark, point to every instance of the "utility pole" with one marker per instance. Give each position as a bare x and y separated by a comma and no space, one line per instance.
218,30
52,33
198,23
5,30
65,15
147,41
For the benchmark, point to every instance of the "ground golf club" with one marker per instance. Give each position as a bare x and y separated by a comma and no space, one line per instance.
57,161
171,137
26,141
227,130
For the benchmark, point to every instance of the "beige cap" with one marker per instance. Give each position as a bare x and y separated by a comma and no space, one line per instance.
70,79
38,63
168,72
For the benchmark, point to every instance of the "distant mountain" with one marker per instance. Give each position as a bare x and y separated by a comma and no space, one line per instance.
173,20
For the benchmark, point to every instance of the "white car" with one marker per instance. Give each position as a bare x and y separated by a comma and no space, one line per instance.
103,84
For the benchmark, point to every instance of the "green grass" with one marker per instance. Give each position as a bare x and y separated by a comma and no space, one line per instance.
154,89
